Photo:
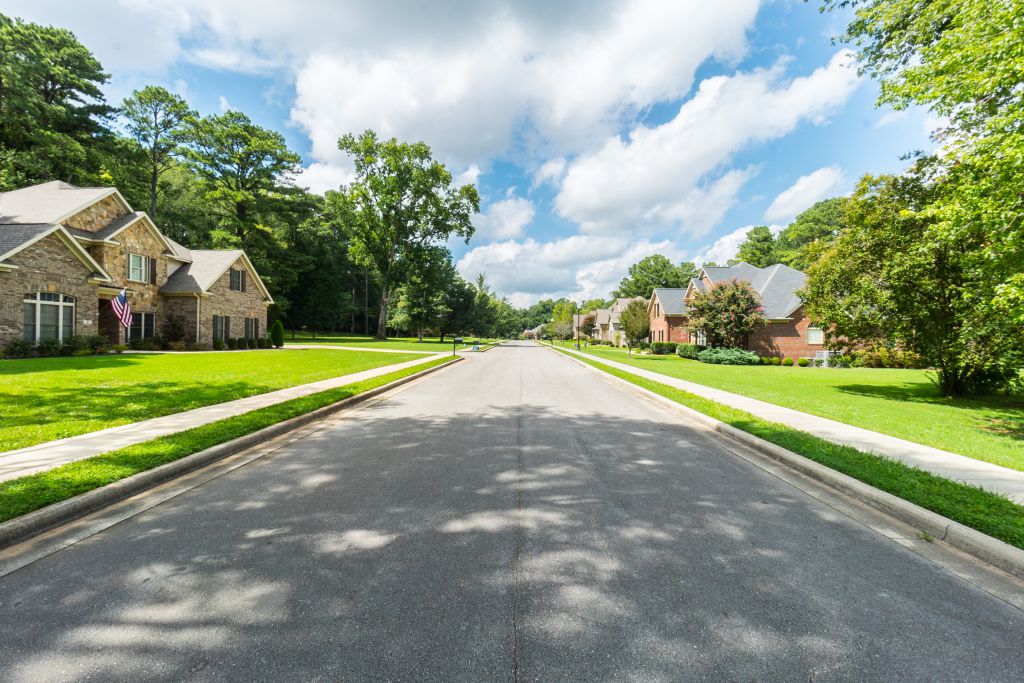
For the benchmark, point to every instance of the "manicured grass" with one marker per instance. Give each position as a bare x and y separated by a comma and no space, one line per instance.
901,403
989,513
52,398
397,343
25,494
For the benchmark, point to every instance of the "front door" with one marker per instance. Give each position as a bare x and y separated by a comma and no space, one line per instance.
109,325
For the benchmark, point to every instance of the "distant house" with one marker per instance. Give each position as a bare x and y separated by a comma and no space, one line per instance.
66,251
606,321
788,332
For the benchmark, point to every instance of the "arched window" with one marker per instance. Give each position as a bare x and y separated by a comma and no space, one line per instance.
47,316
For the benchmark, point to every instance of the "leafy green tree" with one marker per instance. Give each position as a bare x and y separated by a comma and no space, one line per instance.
588,324
400,203
277,333
563,311
653,272
964,61
53,116
459,297
485,311
726,313
636,324
594,304
155,118
896,274
421,301
247,169
759,248
815,228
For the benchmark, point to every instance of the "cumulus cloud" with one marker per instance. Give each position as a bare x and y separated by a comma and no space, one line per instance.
807,190
725,247
504,219
549,172
580,266
664,176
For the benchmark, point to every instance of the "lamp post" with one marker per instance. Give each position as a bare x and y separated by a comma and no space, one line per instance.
579,322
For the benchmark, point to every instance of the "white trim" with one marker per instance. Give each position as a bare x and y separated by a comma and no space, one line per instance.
61,305
69,241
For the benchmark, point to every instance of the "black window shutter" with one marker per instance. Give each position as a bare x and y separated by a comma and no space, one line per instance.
152,271
244,273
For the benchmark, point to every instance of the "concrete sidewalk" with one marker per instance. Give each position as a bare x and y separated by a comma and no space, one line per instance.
942,463
47,455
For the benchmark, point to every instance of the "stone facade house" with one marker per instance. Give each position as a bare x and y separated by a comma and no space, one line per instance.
65,251
607,326
788,332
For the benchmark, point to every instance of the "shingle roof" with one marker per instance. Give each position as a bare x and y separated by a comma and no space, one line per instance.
180,252
13,236
671,300
202,272
47,203
777,285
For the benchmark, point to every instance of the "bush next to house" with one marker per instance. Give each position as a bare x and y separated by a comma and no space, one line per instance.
19,348
728,357
663,348
277,334
218,344
232,343
251,342
263,343
688,350
776,360
803,362
788,362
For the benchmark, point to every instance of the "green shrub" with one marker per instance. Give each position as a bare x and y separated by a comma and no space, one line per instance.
81,352
177,346
48,347
728,357
251,342
218,344
688,350
840,361
776,360
19,348
803,362
98,343
263,343
76,343
277,333
663,348
788,362
766,360
197,346
118,348
232,343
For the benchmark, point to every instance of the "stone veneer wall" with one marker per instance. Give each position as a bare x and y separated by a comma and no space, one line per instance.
136,239
46,266
97,216
235,305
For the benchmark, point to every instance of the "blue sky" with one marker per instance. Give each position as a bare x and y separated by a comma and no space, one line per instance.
598,132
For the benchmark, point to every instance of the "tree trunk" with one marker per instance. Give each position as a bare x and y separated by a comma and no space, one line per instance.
419,333
152,193
382,323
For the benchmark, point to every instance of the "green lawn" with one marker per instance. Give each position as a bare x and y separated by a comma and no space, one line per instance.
25,494
987,512
52,398
397,343
901,403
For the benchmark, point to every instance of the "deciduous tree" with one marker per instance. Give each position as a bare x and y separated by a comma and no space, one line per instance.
636,324
726,312
653,272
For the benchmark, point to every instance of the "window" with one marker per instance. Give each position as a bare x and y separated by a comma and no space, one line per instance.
137,266
815,335
698,339
252,328
238,280
47,316
143,326
221,327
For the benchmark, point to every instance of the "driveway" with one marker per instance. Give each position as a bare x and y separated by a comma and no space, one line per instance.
514,517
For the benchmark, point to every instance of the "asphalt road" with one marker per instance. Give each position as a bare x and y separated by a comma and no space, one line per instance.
515,517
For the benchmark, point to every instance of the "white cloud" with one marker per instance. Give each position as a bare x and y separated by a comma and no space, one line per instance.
581,266
504,219
469,176
807,190
224,104
666,175
550,172
726,246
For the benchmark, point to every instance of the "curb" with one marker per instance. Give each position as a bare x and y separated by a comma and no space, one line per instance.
33,523
971,541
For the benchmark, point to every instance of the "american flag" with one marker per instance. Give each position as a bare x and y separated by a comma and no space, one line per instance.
122,309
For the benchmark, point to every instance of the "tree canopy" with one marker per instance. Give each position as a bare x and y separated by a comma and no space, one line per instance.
725,313
653,272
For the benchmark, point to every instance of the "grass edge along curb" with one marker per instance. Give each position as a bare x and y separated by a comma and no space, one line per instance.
40,501
943,504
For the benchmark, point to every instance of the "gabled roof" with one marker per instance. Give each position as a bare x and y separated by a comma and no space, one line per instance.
50,202
18,236
205,269
777,285
178,251
671,300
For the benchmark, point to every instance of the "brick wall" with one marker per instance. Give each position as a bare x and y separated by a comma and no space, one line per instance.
97,216
235,305
784,339
183,307
47,266
668,328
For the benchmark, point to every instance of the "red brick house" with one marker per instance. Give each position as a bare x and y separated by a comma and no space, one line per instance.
788,332
65,251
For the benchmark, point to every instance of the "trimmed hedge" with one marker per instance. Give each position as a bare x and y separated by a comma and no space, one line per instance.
690,351
788,362
663,348
728,357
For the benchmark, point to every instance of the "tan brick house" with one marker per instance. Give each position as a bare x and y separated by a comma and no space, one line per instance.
788,332
65,251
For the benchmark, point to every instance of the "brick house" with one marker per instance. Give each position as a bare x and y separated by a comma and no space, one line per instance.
606,320
788,332
66,251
